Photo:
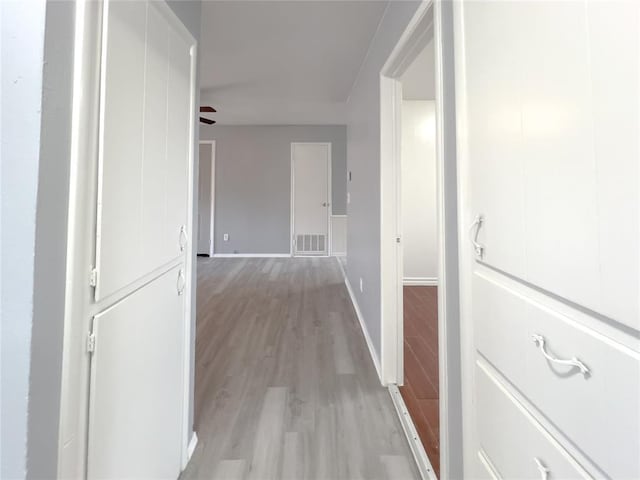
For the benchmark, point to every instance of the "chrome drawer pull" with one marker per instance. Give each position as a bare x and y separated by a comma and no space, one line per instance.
544,471
574,362
474,230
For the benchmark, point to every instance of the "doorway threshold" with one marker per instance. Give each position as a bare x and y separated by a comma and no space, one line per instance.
422,461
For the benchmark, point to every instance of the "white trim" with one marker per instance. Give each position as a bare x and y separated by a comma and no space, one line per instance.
331,252
419,454
192,446
420,281
363,326
190,250
252,255
292,232
415,37
213,193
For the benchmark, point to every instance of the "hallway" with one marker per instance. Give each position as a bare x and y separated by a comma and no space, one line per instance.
285,387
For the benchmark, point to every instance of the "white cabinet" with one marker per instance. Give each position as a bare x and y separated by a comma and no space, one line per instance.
552,109
515,444
589,408
138,386
548,105
135,401
145,144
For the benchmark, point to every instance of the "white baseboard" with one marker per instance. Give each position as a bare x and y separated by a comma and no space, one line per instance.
422,461
420,281
252,255
372,351
192,446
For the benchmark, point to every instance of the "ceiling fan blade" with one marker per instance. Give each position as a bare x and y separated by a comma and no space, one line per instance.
207,121
207,109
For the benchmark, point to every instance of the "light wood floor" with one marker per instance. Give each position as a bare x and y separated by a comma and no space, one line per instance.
285,387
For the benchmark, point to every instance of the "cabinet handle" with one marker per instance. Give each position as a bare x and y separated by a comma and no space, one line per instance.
474,230
544,471
539,340
182,238
181,282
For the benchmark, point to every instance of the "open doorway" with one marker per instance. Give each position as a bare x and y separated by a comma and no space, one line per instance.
418,217
206,197
419,261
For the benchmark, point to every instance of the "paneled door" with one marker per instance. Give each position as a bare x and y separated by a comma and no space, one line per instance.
310,172
548,103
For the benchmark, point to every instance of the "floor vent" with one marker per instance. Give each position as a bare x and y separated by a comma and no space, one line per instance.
311,244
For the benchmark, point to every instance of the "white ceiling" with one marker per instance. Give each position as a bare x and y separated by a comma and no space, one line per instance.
283,62
419,80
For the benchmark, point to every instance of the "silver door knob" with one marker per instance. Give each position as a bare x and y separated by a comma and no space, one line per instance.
325,204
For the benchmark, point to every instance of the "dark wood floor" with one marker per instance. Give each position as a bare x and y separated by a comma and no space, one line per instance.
285,386
420,390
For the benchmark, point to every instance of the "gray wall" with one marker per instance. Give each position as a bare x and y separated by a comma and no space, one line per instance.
253,183
363,153
22,30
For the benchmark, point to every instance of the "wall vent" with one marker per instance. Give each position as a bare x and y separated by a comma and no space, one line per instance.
311,244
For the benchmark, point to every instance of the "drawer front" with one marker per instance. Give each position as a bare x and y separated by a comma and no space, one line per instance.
515,444
599,412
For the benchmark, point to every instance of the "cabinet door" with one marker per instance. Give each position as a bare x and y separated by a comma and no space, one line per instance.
137,384
145,144
494,133
552,147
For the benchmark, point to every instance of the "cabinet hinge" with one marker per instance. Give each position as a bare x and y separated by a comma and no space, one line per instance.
93,278
91,342
398,239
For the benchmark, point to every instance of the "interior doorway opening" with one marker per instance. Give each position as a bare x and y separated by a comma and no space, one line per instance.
206,197
420,334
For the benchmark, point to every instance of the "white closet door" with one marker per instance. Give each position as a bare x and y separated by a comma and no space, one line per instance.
311,164
136,377
145,144
548,103
553,149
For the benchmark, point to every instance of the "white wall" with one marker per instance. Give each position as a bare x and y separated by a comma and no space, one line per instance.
22,28
363,159
419,213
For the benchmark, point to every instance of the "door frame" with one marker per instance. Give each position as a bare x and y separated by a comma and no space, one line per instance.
432,19
329,200
213,193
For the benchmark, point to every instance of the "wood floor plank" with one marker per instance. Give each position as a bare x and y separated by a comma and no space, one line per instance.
285,386
421,390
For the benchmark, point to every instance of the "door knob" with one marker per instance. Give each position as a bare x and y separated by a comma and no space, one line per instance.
324,204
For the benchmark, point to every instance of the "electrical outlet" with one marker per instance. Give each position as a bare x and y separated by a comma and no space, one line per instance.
361,287
225,237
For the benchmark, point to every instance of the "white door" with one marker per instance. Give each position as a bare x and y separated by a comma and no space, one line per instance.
147,111
144,144
136,379
205,198
548,102
311,168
